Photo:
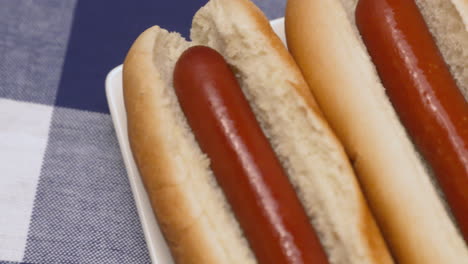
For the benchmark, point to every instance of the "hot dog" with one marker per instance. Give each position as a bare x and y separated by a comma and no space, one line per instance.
423,92
401,88
242,160
220,178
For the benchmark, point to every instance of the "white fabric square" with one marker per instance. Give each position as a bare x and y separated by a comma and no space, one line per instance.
24,129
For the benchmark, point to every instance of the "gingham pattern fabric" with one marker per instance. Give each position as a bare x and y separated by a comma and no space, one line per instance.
64,193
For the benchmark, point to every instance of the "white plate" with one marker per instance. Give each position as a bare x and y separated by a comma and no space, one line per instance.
157,247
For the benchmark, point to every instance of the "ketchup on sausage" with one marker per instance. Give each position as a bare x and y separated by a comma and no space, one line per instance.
422,91
244,164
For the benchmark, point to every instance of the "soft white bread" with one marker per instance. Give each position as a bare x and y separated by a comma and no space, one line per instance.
191,209
326,45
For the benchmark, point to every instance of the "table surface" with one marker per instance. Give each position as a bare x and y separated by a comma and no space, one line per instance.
64,192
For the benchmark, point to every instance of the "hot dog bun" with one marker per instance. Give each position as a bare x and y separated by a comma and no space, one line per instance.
190,207
323,38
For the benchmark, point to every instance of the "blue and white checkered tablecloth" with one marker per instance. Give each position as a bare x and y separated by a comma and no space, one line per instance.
64,193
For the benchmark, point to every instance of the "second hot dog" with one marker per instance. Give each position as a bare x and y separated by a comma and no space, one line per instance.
423,92
415,101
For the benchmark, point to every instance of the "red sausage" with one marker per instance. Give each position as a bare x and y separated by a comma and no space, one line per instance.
423,92
243,161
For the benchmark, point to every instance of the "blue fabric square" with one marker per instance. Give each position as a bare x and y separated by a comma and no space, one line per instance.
102,33
33,40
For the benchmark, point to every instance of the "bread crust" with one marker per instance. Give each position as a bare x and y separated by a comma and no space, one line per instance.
172,194
328,49
462,7
139,77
